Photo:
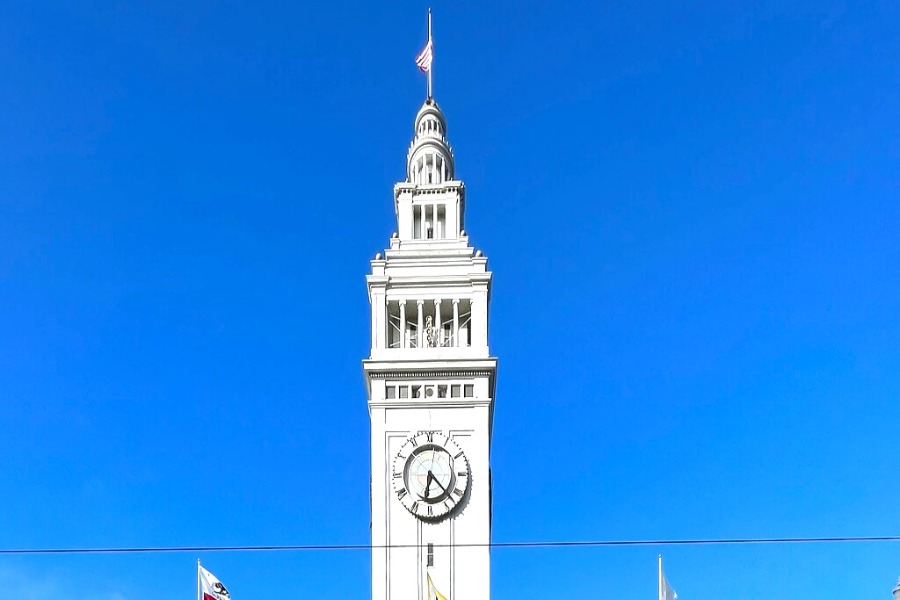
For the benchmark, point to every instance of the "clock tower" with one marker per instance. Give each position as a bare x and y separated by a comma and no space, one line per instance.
430,379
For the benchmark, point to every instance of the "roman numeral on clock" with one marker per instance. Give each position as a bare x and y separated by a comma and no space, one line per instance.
401,493
457,492
429,435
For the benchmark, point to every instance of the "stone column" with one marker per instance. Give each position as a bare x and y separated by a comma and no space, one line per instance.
420,333
479,322
456,322
437,323
405,216
403,323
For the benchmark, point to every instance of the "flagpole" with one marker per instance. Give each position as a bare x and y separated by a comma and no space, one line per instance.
198,579
431,68
659,579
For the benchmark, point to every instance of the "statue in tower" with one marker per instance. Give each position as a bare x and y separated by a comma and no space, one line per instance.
429,332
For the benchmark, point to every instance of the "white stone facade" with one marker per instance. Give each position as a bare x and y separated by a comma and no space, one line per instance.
430,370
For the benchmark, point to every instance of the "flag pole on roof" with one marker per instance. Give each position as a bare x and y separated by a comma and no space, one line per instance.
425,59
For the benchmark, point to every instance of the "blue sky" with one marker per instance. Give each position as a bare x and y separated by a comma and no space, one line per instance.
690,210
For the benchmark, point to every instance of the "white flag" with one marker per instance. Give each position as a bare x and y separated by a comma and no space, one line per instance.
210,587
666,592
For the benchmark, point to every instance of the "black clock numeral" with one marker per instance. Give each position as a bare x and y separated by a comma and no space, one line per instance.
458,454
398,475
430,511
413,441
457,492
447,504
429,435
459,474
401,493
415,507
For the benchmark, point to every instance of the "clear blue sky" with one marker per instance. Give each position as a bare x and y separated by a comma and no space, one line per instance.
692,216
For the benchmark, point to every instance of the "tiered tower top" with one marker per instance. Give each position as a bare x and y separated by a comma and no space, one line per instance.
430,158
430,203
430,289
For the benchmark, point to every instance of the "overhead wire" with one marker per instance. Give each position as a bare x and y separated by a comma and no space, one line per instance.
536,544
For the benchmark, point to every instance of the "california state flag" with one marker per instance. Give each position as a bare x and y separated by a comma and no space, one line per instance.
210,587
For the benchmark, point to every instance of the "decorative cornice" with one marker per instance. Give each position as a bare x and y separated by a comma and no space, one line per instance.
432,403
431,374
419,189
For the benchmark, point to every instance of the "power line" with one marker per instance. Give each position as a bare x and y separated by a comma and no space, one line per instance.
558,544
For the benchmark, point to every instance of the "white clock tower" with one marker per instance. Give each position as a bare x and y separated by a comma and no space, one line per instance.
430,380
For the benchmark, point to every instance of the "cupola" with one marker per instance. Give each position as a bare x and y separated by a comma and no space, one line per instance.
430,158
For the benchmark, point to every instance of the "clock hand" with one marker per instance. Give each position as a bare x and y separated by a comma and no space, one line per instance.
428,481
435,479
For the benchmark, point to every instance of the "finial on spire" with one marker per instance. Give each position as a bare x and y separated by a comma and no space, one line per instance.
425,59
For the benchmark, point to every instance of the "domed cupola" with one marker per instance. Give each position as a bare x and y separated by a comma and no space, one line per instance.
430,158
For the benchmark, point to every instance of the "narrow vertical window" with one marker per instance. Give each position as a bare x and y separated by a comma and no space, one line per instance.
430,555
441,219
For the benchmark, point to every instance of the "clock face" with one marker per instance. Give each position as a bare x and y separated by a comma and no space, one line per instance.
431,475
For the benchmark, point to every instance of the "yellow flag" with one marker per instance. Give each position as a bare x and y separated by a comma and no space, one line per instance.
433,594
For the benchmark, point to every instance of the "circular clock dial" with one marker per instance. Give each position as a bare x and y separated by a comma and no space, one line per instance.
431,475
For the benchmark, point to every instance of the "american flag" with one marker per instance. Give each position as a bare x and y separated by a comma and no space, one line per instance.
425,57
